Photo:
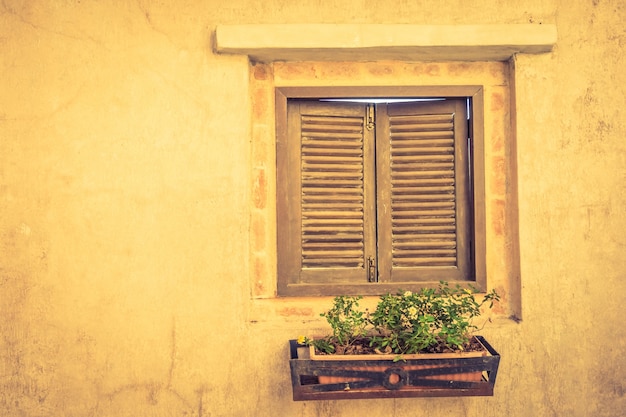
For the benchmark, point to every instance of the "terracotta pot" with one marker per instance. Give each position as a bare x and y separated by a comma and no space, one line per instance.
399,366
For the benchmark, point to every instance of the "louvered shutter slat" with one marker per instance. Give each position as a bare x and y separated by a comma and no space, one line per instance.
332,232
423,190
423,187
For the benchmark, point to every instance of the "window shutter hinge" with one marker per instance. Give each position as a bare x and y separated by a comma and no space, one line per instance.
372,276
370,117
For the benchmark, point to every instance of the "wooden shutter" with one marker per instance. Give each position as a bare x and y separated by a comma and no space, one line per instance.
424,194
326,217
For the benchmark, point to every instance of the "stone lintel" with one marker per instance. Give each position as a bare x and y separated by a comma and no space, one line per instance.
373,42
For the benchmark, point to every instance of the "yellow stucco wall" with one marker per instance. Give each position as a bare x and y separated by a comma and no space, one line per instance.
131,184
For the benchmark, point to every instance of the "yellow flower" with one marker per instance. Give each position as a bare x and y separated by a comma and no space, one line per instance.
408,293
302,340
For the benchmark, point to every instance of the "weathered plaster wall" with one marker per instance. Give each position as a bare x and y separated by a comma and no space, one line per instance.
127,193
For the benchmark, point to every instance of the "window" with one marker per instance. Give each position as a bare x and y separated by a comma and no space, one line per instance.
377,195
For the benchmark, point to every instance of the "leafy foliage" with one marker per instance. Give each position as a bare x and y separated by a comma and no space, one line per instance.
431,320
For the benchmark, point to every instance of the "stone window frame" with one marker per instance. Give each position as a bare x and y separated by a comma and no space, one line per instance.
502,261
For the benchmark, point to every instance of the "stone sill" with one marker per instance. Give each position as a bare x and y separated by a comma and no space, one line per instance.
373,42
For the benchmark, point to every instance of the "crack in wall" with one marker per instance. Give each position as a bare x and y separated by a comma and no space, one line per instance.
12,12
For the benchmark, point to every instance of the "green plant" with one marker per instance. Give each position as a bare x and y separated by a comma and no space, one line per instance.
348,325
431,320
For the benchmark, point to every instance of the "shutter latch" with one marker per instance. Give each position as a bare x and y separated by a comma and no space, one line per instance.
370,117
371,270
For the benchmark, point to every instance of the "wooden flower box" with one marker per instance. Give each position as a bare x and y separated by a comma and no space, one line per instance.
373,376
